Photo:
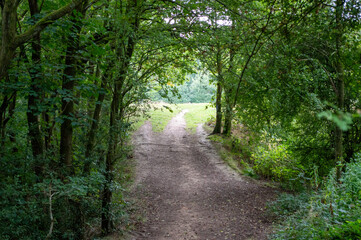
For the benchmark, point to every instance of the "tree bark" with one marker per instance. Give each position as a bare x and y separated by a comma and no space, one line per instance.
8,47
218,127
3,107
340,84
67,109
34,98
124,53
107,193
228,116
228,88
95,122
75,221
10,41
11,111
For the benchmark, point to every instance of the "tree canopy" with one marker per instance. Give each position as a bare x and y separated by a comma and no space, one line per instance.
75,74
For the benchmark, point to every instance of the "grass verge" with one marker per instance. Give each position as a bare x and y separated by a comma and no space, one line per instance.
236,152
227,156
198,113
161,113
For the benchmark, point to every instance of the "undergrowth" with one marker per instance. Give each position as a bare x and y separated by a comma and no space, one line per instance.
331,213
321,206
248,153
231,158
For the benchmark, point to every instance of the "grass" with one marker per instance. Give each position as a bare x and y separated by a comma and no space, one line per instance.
198,113
161,113
227,155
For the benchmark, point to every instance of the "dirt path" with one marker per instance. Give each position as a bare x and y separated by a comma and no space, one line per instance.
189,193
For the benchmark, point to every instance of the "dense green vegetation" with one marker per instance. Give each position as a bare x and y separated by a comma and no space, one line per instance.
74,74
333,212
284,77
196,89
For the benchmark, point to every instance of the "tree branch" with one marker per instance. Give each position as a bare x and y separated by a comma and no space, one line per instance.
44,22
254,51
51,194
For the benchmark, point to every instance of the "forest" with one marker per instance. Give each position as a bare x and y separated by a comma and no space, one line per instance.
75,75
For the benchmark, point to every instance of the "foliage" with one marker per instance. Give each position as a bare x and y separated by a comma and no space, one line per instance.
75,76
67,100
275,163
349,230
330,213
196,89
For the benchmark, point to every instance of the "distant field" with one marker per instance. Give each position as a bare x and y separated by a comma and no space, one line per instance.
198,113
160,115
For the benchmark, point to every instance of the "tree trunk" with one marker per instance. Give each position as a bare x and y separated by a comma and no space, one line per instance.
124,52
11,111
9,104
75,220
3,107
95,122
228,120
8,34
49,123
340,84
10,41
110,158
218,127
67,109
34,98
228,88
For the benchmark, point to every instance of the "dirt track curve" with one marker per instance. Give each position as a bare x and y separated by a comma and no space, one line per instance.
189,193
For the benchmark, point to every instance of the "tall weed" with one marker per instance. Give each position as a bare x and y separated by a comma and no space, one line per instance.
276,163
333,212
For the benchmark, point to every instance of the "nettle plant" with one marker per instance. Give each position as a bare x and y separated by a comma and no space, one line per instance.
331,213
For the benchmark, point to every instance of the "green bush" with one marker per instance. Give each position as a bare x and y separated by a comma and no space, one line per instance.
352,179
347,231
275,163
287,204
25,207
332,213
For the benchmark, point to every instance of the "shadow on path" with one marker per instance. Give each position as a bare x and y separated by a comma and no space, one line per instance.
189,193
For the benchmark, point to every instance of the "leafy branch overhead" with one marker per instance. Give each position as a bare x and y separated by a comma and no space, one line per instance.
10,40
77,77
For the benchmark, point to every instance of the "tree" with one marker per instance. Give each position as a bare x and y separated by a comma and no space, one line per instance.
10,40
